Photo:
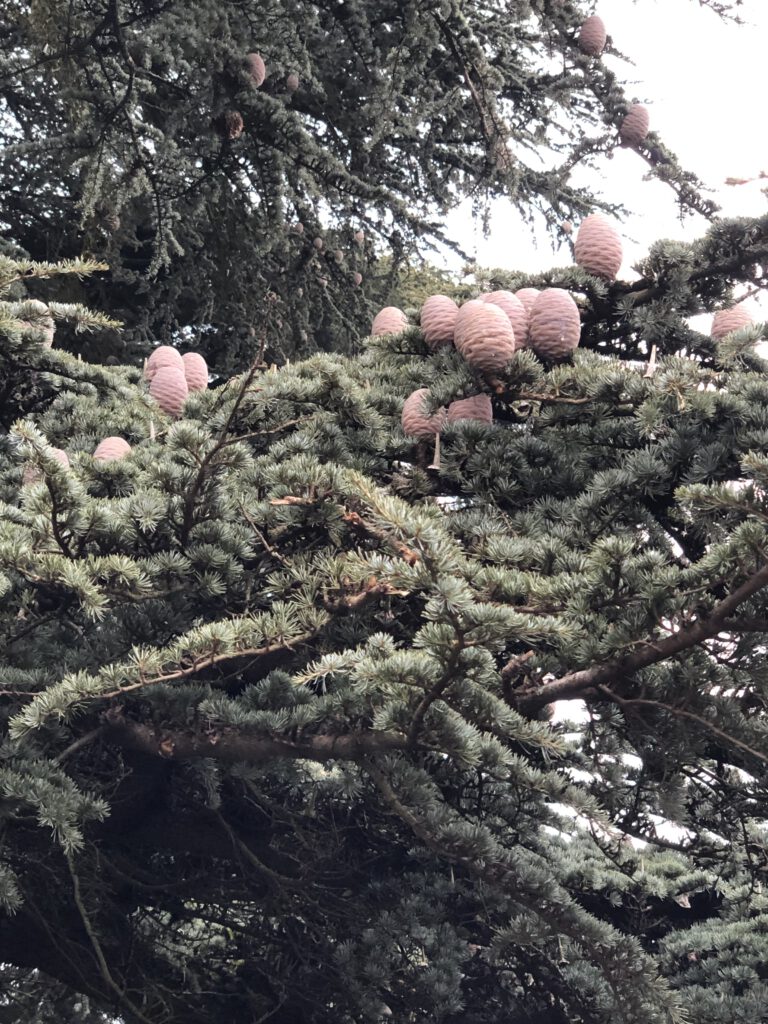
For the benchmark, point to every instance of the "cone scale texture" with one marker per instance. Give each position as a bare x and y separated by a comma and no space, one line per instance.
555,324
438,320
415,419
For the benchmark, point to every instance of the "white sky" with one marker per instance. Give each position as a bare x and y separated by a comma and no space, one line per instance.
703,81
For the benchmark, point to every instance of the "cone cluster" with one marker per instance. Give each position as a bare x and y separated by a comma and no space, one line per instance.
172,377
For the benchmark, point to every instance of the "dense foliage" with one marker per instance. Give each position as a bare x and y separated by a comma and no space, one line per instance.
276,690
283,690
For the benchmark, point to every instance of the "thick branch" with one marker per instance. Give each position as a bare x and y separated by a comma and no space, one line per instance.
234,746
577,684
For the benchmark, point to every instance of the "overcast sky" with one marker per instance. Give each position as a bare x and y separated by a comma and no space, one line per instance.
703,81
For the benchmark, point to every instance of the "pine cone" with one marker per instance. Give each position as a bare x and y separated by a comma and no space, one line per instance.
555,326
32,474
516,313
483,336
112,448
230,124
598,248
725,321
438,319
634,127
527,296
477,407
415,420
389,320
195,371
169,389
256,69
593,36
164,355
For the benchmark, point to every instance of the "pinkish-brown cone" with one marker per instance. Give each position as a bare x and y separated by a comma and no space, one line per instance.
438,319
634,127
256,68
555,326
47,326
484,336
593,36
112,448
389,320
32,474
169,389
725,321
195,371
165,355
415,419
515,310
598,248
527,296
478,407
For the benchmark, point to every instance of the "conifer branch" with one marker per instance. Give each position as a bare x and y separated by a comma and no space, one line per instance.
207,461
407,553
79,743
447,677
207,661
567,919
581,682
281,881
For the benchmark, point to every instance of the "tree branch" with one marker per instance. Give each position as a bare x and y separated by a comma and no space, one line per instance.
97,950
236,746
682,713
577,684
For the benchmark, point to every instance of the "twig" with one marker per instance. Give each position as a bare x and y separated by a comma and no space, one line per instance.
682,713
197,483
277,879
233,746
82,741
407,554
109,981
265,433
651,363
